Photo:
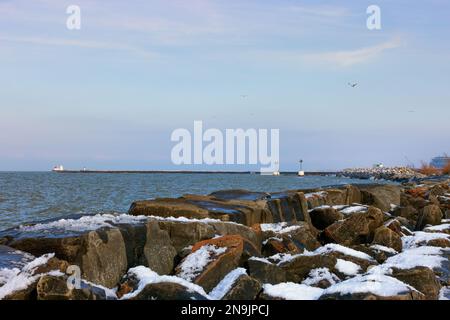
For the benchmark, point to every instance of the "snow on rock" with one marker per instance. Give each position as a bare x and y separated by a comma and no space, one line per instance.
260,259
430,257
147,276
420,238
85,223
317,275
272,238
347,267
226,284
444,294
15,279
440,227
281,227
315,194
94,222
378,284
379,247
344,250
281,258
292,291
326,206
188,220
195,262
353,209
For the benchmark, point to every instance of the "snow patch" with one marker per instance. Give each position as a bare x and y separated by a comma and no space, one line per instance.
85,223
189,220
377,284
147,276
344,250
195,262
353,209
415,257
292,291
226,284
260,259
419,238
315,194
281,227
347,267
444,294
379,247
440,227
12,280
320,274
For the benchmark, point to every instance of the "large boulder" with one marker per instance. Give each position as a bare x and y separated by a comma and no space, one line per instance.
265,271
158,251
168,207
322,217
186,233
300,266
421,278
378,252
353,195
301,233
280,244
239,206
20,272
357,229
105,253
430,215
100,254
102,257
386,237
336,196
381,196
244,288
407,212
167,291
371,287
50,287
200,207
211,260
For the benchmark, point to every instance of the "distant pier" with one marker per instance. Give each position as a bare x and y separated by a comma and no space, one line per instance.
312,173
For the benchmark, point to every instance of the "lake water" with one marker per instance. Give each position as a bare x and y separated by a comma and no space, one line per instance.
36,196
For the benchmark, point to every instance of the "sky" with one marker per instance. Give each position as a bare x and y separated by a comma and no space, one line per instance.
109,95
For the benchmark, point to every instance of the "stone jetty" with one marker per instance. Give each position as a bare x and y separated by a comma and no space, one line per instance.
399,174
384,242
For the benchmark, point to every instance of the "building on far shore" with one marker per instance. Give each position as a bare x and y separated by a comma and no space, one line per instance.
440,162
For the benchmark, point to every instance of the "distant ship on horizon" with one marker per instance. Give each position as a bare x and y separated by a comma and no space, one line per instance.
58,168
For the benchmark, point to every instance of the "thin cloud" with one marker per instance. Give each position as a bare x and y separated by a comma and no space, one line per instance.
352,57
325,11
76,43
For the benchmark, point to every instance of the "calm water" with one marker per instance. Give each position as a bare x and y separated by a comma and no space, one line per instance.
30,197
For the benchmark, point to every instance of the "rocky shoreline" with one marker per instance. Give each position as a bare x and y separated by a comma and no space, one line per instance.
398,174
388,242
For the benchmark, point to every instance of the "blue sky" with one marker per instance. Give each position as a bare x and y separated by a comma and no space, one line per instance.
109,95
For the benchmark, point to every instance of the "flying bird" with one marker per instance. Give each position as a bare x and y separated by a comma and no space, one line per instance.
352,84
244,96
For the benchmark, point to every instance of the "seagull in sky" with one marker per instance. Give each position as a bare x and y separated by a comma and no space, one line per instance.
352,84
